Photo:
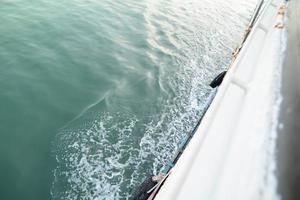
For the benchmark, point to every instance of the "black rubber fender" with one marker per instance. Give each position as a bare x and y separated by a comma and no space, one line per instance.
218,80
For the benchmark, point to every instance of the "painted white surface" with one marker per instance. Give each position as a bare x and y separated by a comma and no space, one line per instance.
231,155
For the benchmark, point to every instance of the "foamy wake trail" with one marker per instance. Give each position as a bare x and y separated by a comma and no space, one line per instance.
108,157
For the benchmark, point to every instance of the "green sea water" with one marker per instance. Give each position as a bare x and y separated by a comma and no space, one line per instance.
96,94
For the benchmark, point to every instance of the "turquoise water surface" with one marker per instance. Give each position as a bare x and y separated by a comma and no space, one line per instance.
96,94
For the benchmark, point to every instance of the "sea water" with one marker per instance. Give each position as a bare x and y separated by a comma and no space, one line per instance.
95,95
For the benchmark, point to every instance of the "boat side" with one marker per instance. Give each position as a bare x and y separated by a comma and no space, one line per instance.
230,156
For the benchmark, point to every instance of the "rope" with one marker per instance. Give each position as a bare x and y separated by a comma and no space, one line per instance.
248,29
